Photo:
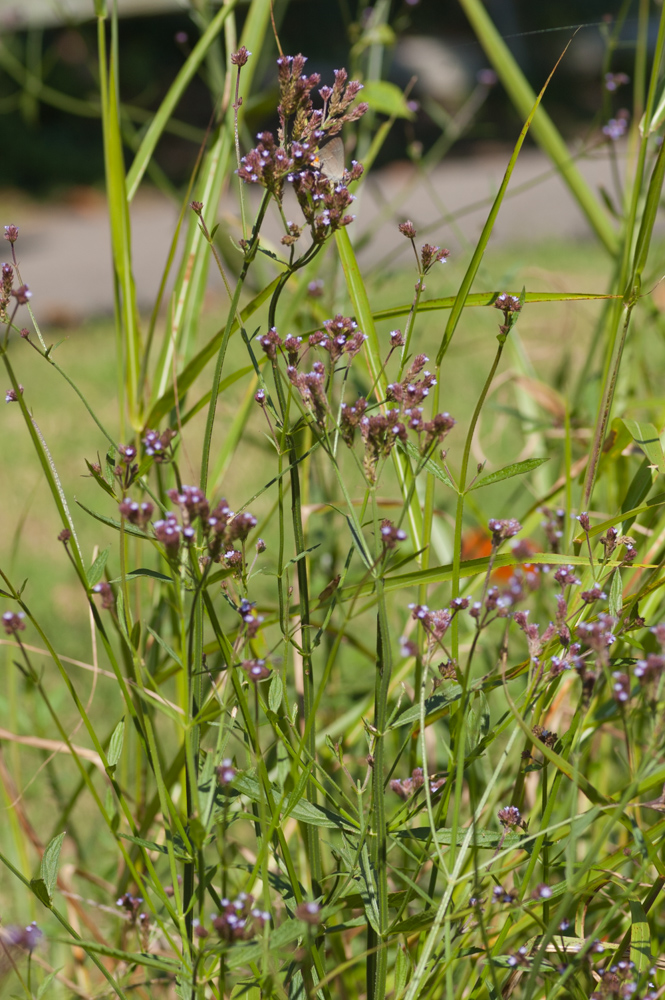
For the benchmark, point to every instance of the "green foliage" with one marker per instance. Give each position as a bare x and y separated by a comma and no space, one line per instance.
382,732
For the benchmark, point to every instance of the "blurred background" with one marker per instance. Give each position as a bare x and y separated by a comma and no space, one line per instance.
459,134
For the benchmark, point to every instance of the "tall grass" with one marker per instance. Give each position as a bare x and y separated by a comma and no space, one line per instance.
319,756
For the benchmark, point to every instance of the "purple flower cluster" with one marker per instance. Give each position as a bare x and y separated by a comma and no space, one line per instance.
293,157
158,446
12,622
220,527
406,787
239,919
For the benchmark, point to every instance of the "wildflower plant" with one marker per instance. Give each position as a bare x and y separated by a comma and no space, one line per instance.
329,760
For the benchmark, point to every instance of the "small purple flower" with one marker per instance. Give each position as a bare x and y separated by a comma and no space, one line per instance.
226,772
487,77
240,57
615,129
12,622
309,913
256,670
24,937
510,817
503,529
106,592
620,687
10,395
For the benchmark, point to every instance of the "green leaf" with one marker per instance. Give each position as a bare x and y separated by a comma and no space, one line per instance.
115,746
165,646
646,436
479,299
111,522
172,98
305,552
616,595
129,958
96,571
433,706
656,501
303,811
640,487
430,465
152,573
477,722
402,968
48,868
99,479
150,845
386,98
368,890
275,693
48,871
544,131
284,935
197,832
44,986
516,469
486,839
640,937
38,886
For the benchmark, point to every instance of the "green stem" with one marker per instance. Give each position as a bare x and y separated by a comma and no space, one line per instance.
459,513
380,840
221,354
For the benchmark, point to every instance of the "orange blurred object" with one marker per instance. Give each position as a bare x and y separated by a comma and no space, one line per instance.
476,544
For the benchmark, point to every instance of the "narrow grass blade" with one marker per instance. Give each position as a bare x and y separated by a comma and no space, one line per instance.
170,102
545,133
481,246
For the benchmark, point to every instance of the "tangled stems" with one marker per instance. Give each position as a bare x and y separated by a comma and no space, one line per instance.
510,316
313,843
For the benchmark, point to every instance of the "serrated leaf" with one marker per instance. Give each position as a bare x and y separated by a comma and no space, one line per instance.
646,436
111,522
99,479
430,465
386,98
516,469
96,571
616,595
275,693
433,706
115,745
